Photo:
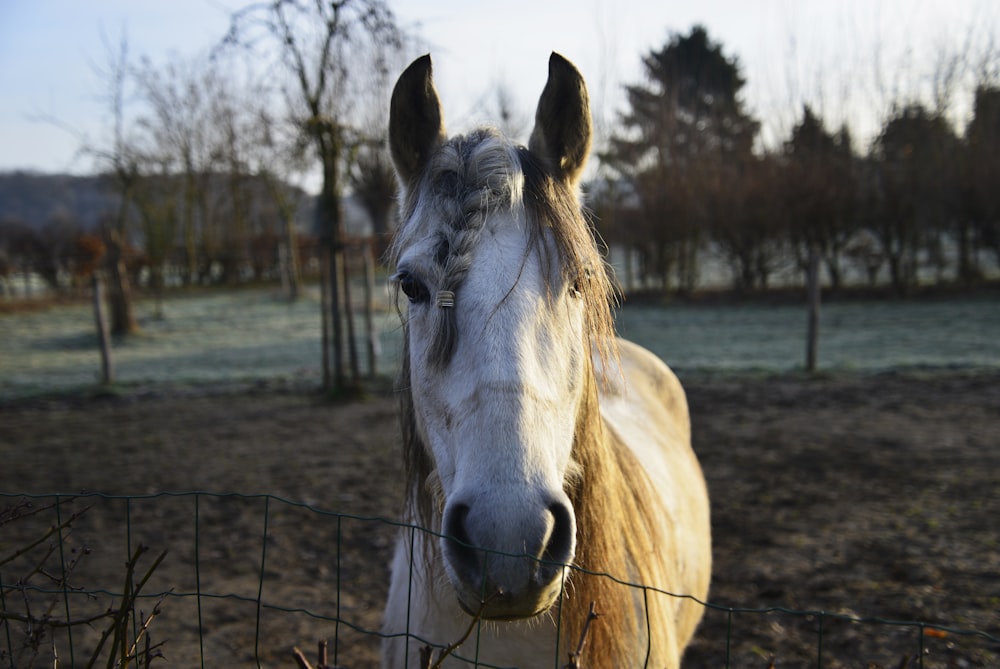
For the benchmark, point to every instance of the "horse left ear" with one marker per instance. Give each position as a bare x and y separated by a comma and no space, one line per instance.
562,122
416,126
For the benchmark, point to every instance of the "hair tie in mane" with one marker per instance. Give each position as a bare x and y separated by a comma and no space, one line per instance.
445,299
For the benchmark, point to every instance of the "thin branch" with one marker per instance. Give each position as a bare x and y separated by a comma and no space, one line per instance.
300,659
303,662
52,530
54,622
129,596
576,656
425,653
133,651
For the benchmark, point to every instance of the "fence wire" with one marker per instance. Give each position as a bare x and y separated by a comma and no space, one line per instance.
205,579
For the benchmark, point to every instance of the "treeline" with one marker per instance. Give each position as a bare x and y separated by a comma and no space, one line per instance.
685,177
57,227
199,172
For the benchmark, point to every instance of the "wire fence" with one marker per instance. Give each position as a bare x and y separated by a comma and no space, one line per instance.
209,579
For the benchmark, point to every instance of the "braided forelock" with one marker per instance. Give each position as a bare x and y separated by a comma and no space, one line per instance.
468,179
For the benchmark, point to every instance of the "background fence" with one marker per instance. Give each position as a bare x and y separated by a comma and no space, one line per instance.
207,579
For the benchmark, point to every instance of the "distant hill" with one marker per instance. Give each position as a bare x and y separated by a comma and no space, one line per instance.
38,199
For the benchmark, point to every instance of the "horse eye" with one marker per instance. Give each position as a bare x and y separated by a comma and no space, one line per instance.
412,287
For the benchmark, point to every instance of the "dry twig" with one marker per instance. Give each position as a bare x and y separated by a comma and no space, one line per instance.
323,661
576,657
426,653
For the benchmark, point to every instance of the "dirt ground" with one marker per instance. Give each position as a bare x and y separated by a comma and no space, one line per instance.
874,497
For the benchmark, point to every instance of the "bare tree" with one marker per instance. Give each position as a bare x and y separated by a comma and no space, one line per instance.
119,163
318,43
278,157
370,172
181,139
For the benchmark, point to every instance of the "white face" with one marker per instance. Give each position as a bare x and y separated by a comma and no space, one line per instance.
499,416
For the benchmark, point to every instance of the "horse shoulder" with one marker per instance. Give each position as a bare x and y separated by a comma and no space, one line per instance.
643,403
642,395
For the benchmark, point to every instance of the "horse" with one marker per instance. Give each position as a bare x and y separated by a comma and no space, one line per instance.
548,464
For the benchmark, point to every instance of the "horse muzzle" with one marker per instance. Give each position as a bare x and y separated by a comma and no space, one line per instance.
508,560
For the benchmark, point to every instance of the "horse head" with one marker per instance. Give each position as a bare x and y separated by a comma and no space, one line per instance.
506,292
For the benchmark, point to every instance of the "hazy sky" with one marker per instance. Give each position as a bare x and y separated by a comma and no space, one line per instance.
820,51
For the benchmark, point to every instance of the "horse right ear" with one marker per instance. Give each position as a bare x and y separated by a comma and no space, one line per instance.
562,130
416,126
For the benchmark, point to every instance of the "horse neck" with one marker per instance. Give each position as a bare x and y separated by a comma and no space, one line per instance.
616,534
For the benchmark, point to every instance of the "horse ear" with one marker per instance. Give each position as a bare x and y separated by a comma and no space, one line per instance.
416,126
562,122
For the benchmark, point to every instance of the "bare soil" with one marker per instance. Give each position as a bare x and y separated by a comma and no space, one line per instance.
872,497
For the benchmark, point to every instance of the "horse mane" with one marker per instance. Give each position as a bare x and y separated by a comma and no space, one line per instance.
612,486
467,179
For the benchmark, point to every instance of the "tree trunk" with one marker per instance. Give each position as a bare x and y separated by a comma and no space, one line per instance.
330,227
119,291
190,245
292,271
337,325
103,338
352,343
813,292
372,334
324,316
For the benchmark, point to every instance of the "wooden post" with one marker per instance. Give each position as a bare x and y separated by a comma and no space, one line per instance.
352,344
372,335
283,272
813,293
103,336
335,277
324,307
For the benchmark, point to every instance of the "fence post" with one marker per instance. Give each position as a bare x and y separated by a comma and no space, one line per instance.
813,291
325,309
352,344
103,337
372,335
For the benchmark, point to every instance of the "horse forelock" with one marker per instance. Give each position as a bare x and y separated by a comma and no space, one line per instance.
465,179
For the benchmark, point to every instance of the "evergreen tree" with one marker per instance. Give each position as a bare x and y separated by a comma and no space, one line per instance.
686,137
819,191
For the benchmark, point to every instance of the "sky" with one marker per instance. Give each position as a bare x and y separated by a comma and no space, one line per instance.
791,51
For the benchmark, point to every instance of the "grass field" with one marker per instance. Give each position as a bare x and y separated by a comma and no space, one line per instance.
869,491
254,336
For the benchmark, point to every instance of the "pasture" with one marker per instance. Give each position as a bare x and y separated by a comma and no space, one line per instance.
870,490
254,337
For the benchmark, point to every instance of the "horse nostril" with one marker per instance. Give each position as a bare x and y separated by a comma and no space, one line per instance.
458,545
560,546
